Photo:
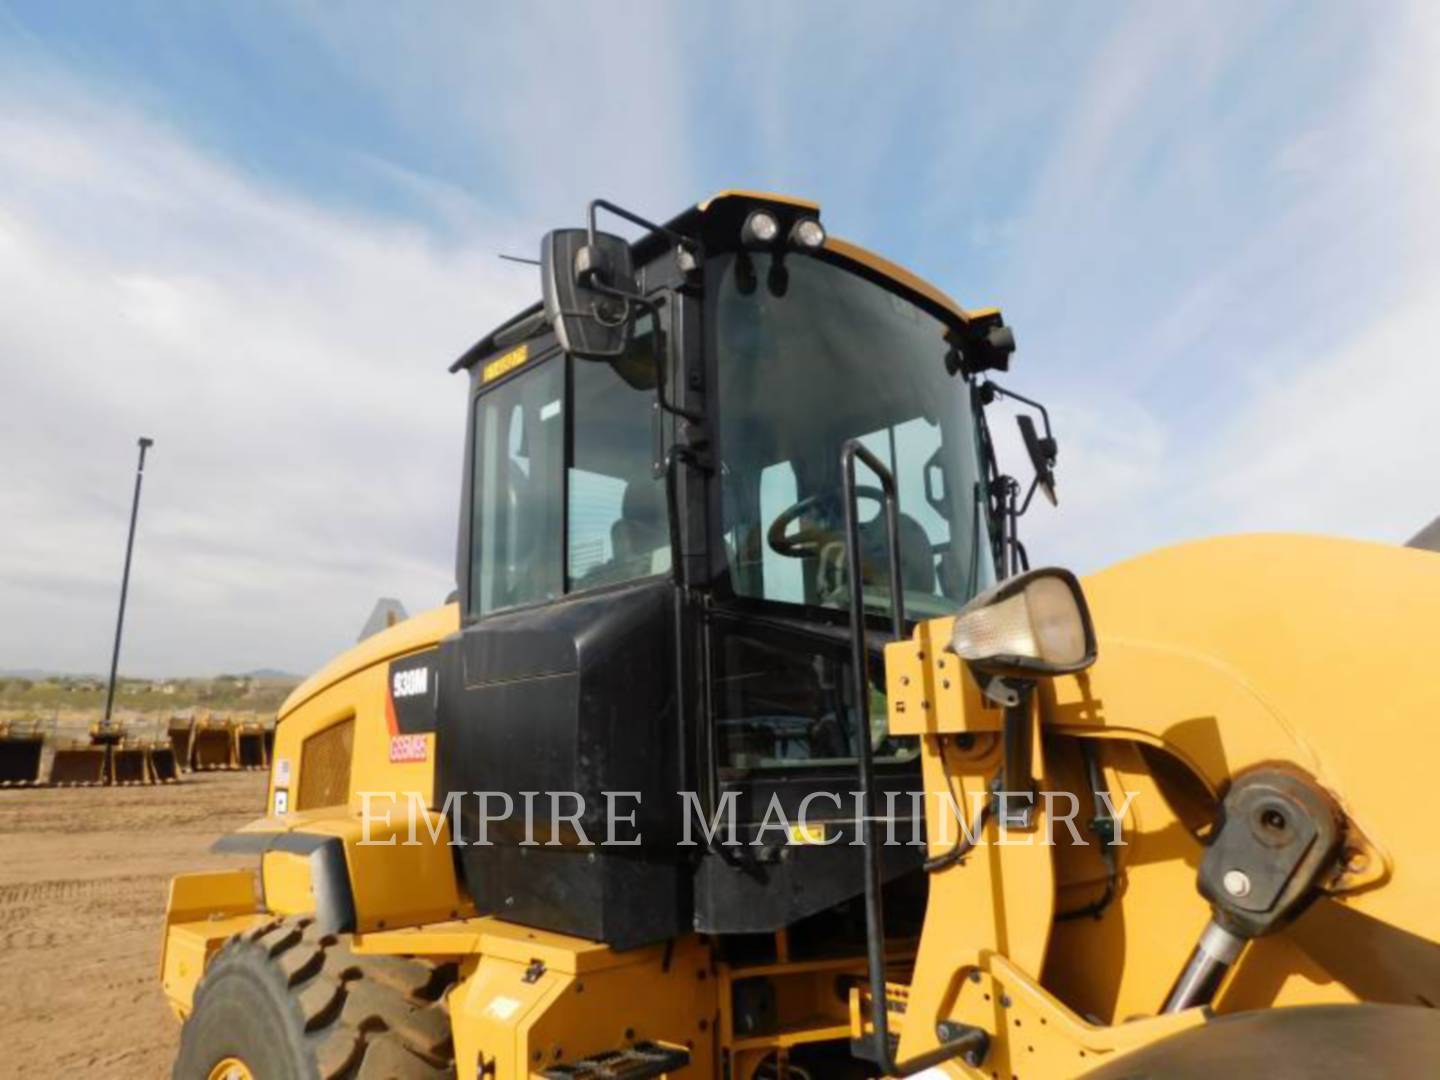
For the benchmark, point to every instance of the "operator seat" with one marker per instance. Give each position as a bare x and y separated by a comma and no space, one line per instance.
641,530
917,556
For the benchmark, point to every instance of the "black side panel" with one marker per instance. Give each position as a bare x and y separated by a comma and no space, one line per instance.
575,697
412,691
624,900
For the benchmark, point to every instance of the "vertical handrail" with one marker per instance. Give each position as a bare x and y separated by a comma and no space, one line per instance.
973,1039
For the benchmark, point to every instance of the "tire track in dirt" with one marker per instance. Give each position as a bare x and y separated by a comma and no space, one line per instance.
67,891
82,897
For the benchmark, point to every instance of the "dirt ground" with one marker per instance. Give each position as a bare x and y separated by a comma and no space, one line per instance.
83,875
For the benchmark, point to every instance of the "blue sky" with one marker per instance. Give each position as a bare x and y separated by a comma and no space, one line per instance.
259,232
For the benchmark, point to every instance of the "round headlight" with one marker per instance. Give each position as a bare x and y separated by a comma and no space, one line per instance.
759,228
807,233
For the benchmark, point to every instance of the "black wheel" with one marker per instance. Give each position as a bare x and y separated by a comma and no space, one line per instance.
285,1002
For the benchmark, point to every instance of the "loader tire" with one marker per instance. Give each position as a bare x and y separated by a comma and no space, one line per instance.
286,1002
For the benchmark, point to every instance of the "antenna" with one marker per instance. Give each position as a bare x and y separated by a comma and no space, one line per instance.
519,259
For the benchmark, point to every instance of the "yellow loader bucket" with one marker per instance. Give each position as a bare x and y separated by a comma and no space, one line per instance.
250,748
182,739
213,746
164,769
20,758
80,765
130,765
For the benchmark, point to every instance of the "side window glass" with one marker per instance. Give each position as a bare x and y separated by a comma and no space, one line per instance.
596,506
516,528
618,527
782,703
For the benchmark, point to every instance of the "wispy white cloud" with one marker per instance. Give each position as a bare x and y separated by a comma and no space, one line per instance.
1253,357
1211,225
548,105
288,359
1347,444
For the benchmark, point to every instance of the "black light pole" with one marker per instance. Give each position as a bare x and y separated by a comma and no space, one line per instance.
145,444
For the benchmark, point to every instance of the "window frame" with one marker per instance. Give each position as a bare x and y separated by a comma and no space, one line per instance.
547,353
719,572
470,612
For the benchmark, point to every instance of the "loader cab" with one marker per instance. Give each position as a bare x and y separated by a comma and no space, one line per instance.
653,584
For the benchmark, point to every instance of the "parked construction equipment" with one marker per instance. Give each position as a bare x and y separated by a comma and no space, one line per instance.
181,731
250,745
164,768
736,548
212,744
112,756
130,764
22,751
80,763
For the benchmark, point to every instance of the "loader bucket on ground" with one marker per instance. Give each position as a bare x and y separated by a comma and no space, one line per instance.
250,748
130,765
20,758
269,736
182,738
213,747
163,765
80,765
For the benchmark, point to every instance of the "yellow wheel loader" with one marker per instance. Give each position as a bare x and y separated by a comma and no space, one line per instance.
750,746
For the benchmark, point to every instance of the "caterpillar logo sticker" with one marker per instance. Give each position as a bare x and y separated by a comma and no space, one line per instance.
505,364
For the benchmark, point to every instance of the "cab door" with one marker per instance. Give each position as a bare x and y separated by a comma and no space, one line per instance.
558,695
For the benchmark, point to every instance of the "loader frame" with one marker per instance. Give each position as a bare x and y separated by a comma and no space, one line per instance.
1041,952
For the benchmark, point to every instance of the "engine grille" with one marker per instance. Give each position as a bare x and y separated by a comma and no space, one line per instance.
325,767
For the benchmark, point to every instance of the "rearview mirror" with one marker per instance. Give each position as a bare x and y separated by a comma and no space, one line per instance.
586,287
1042,453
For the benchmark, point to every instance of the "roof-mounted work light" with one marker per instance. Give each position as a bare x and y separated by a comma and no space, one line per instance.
760,229
807,234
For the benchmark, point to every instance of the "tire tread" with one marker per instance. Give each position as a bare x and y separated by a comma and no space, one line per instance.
359,1017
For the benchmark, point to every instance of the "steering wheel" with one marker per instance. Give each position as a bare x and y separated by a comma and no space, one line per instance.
807,542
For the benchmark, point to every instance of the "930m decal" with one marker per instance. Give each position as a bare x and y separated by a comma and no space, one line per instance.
412,685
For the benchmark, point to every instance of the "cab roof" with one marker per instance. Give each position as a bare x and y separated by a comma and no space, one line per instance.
692,222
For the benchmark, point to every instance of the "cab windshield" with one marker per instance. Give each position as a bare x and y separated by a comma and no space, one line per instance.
810,355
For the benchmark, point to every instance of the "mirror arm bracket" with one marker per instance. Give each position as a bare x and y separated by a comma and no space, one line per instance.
693,246
1025,504
653,310
995,388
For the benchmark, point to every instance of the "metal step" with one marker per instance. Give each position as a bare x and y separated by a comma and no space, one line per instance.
644,1059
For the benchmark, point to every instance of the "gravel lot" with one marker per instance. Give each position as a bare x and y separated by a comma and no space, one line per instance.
83,875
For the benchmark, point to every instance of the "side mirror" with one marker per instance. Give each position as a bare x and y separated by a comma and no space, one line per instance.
1036,623
1042,453
587,289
